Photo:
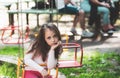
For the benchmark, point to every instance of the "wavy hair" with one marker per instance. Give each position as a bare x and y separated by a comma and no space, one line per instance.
40,47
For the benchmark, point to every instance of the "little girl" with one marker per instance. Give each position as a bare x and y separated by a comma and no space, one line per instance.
44,50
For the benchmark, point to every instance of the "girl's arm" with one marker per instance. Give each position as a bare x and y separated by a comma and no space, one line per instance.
51,61
30,62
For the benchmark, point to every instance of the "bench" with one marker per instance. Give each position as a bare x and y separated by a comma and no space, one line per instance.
36,12
30,11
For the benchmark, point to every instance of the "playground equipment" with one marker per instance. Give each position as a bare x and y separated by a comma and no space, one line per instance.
75,62
14,35
23,37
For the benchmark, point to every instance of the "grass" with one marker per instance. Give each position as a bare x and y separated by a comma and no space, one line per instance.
96,65
7,70
12,51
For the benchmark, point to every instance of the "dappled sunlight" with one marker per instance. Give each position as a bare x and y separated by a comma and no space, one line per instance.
118,22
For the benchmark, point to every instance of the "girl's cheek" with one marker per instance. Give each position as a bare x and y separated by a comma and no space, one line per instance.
57,39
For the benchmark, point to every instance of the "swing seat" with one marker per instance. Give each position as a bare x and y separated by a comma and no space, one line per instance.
76,61
9,36
69,64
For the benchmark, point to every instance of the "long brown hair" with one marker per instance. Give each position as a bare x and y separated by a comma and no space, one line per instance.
40,47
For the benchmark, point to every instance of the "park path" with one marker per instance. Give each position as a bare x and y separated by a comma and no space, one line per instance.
111,44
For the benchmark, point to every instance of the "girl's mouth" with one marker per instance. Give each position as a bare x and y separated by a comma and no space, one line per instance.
55,43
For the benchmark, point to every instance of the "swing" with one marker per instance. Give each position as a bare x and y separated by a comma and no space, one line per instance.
75,62
14,34
10,35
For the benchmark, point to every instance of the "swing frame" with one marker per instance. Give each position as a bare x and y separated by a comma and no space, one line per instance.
10,39
76,62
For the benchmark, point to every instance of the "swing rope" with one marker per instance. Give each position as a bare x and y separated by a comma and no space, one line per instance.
21,46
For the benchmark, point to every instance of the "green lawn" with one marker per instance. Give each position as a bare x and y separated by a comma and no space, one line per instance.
96,65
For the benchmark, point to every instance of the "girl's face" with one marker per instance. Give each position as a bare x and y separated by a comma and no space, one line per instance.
50,37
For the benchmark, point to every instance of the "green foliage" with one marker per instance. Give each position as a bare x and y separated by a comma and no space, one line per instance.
12,50
9,50
7,69
97,65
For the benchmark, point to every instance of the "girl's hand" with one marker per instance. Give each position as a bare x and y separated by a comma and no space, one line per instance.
56,45
44,72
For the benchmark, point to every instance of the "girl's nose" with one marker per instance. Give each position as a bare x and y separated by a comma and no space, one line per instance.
53,39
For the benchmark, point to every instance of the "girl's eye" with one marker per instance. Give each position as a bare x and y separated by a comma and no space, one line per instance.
55,35
49,38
